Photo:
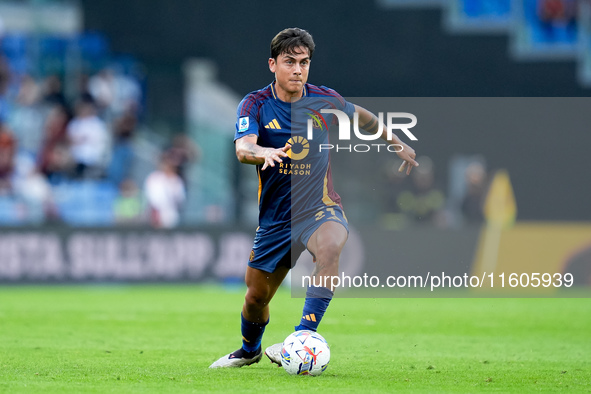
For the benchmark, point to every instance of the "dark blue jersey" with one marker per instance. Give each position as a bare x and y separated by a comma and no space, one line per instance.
302,184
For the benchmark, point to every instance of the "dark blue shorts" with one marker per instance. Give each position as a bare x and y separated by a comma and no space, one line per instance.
281,246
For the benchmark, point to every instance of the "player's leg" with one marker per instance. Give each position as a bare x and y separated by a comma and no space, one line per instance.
326,244
269,263
261,287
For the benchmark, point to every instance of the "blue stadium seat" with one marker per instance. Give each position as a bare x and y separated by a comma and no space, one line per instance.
19,66
53,46
52,54
486,8
94,49
93,44
9,211
15,45
86,203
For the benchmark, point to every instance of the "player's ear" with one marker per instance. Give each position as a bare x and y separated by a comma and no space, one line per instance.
272,64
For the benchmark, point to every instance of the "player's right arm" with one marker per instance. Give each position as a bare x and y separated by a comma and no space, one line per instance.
249,152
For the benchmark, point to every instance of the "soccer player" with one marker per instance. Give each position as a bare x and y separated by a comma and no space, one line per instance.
264,138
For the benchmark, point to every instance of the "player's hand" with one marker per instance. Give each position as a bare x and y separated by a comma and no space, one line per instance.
275,155
408,155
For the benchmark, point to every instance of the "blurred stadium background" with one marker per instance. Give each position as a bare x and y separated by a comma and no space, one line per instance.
99,99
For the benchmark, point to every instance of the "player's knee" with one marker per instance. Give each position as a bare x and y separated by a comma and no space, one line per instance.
256,298
329,252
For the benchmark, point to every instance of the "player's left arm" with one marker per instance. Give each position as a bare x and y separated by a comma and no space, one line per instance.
369,122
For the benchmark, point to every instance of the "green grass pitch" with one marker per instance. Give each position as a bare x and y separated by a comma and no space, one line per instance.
163,338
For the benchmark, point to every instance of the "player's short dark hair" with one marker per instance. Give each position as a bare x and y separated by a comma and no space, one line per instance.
288,40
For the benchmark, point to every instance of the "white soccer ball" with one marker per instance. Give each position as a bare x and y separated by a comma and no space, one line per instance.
305,353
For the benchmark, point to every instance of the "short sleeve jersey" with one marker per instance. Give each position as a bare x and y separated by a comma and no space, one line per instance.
302,184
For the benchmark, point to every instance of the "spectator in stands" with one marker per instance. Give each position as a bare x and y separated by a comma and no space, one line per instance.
52,91
33,190
4,83
395,182
7,140
27,115
82,85
114,92
165,194
122,157
4,75
7,154
128,205
424,202
472,204
556,15
29,92
59,166
88,137
102,88
128,94
54,160
183,151
557,11
4,67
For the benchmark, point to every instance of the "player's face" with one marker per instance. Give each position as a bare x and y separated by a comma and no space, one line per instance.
291,72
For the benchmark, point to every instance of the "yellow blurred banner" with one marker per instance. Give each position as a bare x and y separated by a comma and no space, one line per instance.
534,247
499,207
